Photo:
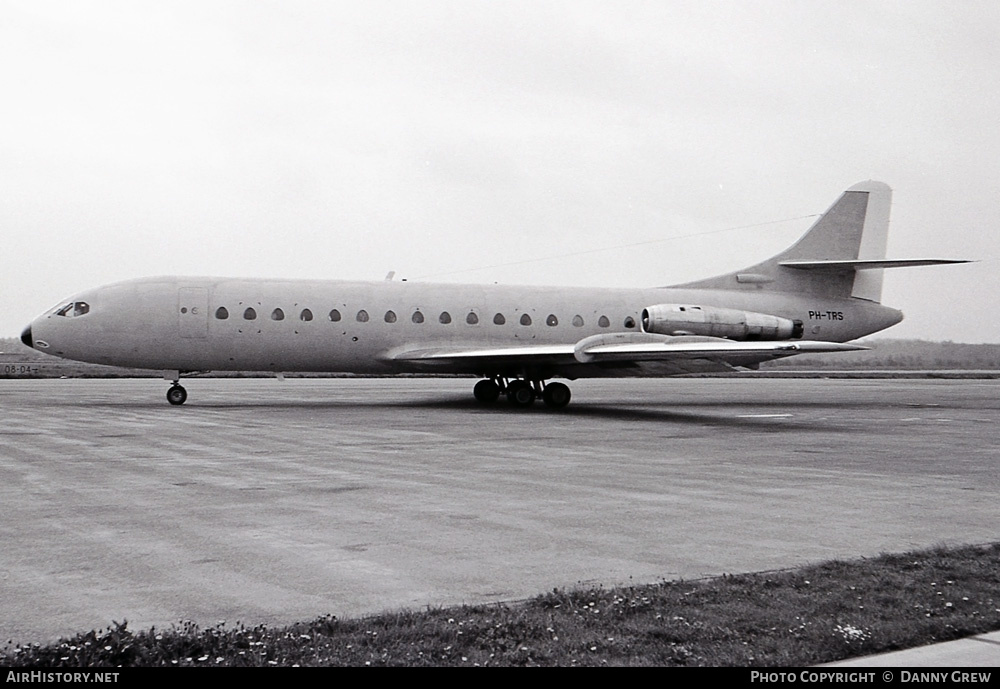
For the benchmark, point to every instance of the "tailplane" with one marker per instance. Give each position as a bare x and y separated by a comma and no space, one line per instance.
841,256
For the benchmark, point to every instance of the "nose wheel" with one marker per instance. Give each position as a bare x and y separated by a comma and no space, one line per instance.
177,395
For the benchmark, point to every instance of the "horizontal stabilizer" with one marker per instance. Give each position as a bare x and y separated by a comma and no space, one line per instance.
870,264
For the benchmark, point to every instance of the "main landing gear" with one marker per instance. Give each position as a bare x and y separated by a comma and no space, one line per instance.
522,393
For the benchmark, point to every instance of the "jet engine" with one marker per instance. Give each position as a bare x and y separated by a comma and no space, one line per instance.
733,324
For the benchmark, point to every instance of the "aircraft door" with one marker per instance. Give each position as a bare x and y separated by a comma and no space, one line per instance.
192,311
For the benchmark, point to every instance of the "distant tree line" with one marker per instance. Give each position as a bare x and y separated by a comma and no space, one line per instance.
887,355
900,355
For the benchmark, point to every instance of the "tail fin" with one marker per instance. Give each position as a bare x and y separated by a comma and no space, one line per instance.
842,255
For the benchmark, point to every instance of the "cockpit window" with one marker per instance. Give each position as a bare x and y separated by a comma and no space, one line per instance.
74,309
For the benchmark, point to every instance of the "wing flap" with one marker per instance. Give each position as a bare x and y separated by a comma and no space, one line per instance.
665,347
453,353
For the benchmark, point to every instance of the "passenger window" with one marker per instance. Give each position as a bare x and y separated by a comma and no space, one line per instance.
277,315
417,317
629,322
551,320
222,313
578,321
445,317
472,318
362,316
525,319
250,314
390,316
499,319
335,315
306,315
603,322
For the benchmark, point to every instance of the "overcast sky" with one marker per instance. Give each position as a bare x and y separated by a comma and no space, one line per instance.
460,141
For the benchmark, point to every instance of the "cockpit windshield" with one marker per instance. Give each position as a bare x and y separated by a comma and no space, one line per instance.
73,309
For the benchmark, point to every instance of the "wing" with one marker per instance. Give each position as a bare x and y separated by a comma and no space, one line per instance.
635,354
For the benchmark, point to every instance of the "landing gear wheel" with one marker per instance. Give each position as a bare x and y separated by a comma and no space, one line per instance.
177,395
556,395
521,394
486,391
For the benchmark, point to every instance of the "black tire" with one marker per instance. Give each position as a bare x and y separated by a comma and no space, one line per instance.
521,394
177,395
486,391
556,395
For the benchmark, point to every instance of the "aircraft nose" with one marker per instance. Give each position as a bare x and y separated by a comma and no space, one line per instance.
26,337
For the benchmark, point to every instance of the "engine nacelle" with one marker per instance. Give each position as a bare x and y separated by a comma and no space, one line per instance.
733,324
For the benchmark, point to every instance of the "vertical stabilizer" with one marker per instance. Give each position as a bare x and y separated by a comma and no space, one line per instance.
874,236
855,228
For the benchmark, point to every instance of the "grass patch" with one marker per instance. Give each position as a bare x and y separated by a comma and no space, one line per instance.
785,618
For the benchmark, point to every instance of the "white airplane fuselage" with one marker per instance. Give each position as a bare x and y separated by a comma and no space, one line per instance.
175,323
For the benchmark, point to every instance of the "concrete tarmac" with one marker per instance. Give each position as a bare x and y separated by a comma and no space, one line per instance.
268,501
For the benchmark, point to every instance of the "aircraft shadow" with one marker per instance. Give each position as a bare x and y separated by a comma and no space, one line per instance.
700,413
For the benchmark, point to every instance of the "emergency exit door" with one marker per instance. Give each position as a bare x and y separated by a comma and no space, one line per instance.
192,311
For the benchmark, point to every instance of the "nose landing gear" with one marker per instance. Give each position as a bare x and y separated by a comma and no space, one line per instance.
177,395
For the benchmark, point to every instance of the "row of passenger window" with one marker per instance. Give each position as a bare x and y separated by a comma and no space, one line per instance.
250,314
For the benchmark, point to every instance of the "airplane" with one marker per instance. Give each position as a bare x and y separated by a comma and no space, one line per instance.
814,297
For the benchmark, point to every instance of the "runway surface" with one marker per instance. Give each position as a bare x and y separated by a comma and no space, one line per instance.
268,501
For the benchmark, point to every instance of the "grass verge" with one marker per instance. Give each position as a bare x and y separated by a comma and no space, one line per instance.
788,618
